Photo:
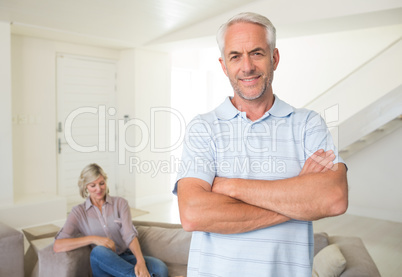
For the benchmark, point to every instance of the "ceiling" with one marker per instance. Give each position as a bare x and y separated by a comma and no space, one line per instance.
138,23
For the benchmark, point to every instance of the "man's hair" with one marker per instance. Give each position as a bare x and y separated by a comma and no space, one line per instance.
248,17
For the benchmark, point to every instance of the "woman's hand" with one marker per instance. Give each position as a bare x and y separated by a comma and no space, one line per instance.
106,242
141,270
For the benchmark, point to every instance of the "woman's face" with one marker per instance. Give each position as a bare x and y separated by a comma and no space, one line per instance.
97,189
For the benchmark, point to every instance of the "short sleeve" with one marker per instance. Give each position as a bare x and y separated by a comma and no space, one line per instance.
127,230
317,136
198,157
70,228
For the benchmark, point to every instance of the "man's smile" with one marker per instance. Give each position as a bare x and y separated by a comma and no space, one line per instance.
249,79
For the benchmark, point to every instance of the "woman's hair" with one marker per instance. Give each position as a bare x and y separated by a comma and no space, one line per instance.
89,174
248,17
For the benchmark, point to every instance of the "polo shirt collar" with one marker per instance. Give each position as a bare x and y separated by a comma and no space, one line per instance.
227,111
88,203
280,108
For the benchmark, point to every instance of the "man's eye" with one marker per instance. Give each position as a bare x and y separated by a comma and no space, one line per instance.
234,58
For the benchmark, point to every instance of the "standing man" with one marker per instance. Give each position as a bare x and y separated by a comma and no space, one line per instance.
256,171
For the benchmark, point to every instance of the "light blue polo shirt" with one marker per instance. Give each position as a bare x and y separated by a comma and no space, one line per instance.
226,143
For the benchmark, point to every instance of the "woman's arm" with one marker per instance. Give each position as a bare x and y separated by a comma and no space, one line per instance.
140,268
63,245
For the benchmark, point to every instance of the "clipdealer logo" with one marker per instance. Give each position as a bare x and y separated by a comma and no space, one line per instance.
112,137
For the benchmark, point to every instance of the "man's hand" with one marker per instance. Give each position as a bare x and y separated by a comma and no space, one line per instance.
320,161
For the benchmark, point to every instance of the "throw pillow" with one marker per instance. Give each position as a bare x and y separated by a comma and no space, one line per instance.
329,262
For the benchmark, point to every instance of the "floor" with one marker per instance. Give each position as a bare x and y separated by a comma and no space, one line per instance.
383,239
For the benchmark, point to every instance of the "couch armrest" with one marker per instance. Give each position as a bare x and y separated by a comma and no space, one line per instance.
358,260
65,264
11,251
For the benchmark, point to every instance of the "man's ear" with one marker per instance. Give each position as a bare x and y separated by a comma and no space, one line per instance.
223,66
275,58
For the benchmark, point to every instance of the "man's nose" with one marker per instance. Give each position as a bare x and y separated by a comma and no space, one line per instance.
247,64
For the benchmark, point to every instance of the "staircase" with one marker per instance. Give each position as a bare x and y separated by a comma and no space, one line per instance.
365,105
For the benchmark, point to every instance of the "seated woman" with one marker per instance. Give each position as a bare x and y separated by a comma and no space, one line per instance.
104,222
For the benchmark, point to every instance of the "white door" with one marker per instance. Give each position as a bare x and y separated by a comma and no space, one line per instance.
86,97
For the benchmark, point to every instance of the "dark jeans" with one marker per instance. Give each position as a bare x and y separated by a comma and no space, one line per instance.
106,263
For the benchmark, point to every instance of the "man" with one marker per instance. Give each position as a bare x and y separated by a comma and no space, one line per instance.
255,171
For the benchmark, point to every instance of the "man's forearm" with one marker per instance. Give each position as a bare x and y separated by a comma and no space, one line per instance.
307,197
212,212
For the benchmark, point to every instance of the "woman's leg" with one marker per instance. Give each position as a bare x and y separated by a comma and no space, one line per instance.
106,263
156,267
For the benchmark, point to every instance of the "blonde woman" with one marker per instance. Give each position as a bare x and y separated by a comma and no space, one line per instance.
104,222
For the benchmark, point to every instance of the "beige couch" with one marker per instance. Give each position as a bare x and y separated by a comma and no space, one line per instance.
170,243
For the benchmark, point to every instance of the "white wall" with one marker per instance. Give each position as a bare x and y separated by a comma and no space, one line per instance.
310,65
125,103
6,168
199,83
152,92
375,180
144,85
34,111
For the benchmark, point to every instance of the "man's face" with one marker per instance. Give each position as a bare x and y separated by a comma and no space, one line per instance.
248,61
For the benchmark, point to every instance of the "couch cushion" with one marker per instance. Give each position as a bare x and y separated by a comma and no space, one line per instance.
320,241
359,261
329,262
170,245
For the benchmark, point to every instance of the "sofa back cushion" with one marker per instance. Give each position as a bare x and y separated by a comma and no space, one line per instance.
320,242
168,242
169,245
